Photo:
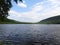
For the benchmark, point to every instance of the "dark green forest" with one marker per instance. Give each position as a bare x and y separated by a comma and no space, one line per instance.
51,20
5,6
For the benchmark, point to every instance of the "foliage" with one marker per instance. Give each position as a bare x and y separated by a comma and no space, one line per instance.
5,6
51,20
9,21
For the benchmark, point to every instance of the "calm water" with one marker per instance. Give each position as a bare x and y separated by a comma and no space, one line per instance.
29,34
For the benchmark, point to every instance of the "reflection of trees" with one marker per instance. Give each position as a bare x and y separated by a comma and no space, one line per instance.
2,32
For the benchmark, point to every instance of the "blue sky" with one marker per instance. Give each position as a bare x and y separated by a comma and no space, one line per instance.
34,10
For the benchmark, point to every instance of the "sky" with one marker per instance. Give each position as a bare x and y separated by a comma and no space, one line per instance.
34,10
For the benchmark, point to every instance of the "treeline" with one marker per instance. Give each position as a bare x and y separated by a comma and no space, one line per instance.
51,20
9,21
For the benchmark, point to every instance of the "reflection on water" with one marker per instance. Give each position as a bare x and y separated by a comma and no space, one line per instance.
29,34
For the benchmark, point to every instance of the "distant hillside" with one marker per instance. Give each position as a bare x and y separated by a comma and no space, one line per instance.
51,20
9,21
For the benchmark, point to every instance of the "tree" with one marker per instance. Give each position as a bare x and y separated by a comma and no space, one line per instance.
5,6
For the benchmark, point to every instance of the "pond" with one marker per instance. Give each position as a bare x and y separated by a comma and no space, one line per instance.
30,34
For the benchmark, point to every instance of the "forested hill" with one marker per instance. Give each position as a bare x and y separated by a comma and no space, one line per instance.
9,21
51,20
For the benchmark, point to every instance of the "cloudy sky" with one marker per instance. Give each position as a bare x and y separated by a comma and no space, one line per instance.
34,10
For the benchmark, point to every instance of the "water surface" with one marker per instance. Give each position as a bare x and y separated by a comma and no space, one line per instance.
30,34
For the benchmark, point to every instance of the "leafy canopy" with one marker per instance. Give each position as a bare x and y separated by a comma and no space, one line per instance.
5,6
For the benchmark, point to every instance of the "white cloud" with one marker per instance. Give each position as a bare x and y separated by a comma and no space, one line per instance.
14,13
37,7
23,5
26,16
53,8
39,11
